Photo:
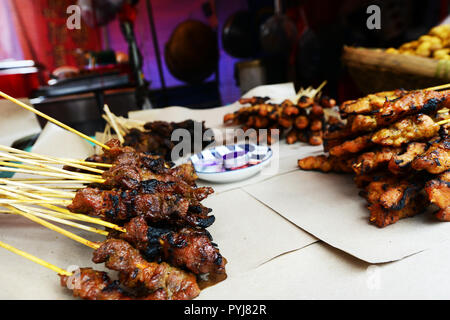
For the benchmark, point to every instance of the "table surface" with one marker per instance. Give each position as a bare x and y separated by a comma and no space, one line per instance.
269,257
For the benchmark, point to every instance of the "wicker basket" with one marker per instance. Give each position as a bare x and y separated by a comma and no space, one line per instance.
374,70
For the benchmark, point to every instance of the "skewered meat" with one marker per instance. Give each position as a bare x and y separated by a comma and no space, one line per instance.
118,205
373,160
438,191
415,128
130,176
412,103
383,217
157,139
307,115
91,284
369,103
325,164
353,146
393,130
254,100
436,159
391,199
400,163
186,248
418,127
168,282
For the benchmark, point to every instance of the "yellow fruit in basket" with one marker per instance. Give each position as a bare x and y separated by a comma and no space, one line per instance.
392,50
409,45
441,53
424,49
442,31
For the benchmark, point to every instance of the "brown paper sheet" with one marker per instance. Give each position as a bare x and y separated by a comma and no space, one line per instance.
320,271
328,206
16,122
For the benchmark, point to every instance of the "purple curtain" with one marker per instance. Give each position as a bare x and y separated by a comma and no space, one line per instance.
9,43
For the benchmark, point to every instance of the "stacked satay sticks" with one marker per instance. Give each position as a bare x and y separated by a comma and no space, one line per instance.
300,119
152,212
155,224
397,145
156,136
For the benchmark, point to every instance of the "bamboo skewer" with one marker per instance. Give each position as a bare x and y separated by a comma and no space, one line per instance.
51,174
60,220
60,212
443,86
113,123
26,154
15,183
35,259
443,122
35,201
45,166
51,226
58,123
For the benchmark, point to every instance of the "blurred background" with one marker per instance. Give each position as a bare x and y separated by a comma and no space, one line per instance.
137,54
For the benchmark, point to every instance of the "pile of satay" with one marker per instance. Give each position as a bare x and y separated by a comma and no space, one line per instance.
301,119
397,145
156,236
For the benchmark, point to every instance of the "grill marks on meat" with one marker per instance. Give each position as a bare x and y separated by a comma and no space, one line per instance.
391,199
187,248
129,176
436,159
400,163
412,103
415,128
372,117
396,146
370,103
90,284
325,164
438,191
167,282
373,160
353,146
157,139
117,206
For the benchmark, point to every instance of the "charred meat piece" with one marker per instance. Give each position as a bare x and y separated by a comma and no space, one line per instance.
412,103
373,160
352,146
130,176
391,199
168,282
370,103
254,100
188,248
438,191
436,159
91,284
182,189
383,217
117,206
326,164
157,139
400,163
415,128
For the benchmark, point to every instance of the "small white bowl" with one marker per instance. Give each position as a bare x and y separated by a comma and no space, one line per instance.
213,164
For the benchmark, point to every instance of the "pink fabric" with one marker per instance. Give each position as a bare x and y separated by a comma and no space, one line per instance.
9,44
